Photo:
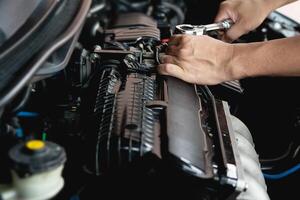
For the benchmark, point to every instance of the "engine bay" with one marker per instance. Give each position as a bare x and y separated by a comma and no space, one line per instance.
97,111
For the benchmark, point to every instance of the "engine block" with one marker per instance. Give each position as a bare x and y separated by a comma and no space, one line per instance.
138,116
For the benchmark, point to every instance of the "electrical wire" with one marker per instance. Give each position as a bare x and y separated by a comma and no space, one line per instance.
281,157
296,152
282,174
26,114
289,156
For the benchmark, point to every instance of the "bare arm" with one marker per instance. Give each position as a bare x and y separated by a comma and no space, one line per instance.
279,3
204,60
276,58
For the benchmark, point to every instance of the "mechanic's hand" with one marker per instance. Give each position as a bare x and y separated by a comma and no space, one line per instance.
197,59
246,14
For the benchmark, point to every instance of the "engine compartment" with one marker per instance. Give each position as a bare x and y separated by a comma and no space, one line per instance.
123,126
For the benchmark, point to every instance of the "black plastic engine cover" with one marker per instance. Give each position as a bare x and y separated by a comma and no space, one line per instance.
186,136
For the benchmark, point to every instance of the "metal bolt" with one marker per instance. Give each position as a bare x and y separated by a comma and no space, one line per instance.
130,57
97,48
277,26
264,30
94,57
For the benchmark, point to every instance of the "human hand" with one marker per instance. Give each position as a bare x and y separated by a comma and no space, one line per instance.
197,59
246,15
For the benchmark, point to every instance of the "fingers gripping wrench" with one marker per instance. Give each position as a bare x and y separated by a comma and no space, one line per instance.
189,29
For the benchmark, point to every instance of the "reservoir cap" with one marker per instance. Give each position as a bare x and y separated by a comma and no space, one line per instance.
36,156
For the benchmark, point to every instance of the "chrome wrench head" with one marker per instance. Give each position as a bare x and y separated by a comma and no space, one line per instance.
189,29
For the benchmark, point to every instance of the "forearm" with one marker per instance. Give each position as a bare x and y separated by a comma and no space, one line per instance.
273,58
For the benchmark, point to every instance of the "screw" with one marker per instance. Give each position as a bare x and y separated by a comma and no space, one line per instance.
130,57
97,48
94,57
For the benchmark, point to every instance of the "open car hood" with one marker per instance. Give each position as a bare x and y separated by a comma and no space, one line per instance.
25,45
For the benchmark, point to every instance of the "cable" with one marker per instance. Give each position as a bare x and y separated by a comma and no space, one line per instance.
44,136
26,114
288,156
282,174
296,152
281,157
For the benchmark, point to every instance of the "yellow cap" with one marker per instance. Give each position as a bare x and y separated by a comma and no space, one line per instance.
35,145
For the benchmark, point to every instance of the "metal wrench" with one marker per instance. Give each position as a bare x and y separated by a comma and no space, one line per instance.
189,29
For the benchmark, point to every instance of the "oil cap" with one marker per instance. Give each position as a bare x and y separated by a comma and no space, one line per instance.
36,156
35,145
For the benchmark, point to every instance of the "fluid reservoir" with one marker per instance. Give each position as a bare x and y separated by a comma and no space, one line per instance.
37,169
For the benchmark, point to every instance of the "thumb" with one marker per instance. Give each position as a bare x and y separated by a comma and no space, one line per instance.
235,31
222,15
226,12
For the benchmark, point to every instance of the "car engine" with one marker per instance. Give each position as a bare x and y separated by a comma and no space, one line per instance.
84,113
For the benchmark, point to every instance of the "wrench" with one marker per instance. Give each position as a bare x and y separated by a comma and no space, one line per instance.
189,29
